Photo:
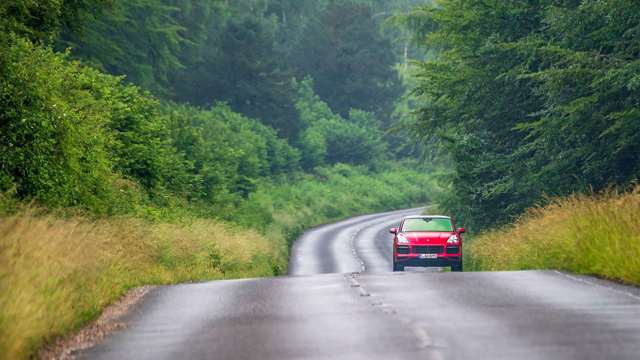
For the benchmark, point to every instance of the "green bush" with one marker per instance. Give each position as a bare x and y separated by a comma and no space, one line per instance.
228,151
54,124
75,137
330,139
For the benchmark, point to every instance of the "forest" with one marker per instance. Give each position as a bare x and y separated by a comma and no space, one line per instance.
528,100
189,102
195,103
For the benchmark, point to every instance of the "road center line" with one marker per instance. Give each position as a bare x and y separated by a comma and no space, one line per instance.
354,251
421,334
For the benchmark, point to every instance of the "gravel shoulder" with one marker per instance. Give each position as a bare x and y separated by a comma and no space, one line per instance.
112,318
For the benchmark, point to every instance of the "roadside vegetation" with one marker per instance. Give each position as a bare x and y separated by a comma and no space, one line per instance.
59,270
57,273
586,234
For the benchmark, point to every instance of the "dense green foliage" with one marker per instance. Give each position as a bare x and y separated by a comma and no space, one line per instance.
328,138
76,137
72,136
530,98
228,151
333,193
246,53
145,46
352,64
42,20
54,143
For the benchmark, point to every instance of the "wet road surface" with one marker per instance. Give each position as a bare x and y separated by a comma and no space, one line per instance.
343,302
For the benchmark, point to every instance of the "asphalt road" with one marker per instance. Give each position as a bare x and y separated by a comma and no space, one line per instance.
342,302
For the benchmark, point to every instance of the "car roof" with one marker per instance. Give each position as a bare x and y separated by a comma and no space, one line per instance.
427,216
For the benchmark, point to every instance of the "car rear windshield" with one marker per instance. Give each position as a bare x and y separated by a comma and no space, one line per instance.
427,224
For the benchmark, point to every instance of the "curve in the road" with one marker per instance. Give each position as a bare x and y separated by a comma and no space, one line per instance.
347,246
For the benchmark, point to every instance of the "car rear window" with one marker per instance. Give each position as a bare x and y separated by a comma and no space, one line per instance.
427,224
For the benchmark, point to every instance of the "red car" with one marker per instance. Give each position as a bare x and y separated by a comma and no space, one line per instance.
427,240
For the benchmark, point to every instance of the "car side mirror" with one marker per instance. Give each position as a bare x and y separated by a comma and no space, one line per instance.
393,230
461,230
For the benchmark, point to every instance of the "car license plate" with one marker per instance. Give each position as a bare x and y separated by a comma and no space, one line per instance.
428,256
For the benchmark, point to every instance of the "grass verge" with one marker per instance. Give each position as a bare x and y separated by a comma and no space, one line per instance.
597,235
57,274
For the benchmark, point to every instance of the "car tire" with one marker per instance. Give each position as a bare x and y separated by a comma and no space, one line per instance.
456,267
398,267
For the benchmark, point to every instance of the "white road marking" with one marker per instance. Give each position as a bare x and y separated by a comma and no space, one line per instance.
585,281
352,243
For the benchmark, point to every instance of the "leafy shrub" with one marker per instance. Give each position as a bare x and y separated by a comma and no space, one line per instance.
54,124
74,137
229,152
331,139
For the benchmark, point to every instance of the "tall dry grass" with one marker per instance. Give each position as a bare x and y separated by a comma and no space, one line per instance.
597,234
58,273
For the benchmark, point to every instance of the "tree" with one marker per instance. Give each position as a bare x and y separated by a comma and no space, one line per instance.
240,65
42,20
54,146
139,38
351,62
